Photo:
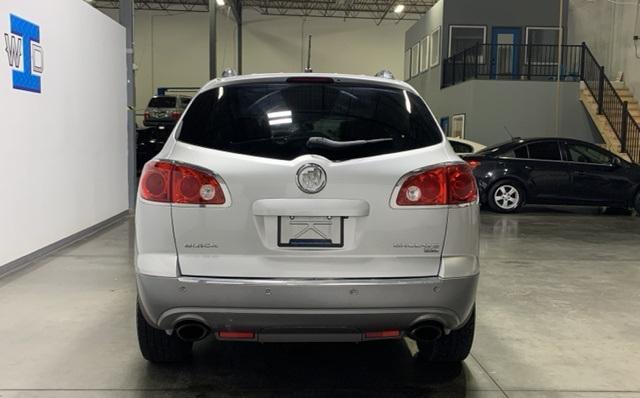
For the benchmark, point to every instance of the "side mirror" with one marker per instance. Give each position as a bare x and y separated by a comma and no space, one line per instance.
616,162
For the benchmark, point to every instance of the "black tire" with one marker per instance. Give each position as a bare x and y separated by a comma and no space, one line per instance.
513,193
636,203
157,346
453,347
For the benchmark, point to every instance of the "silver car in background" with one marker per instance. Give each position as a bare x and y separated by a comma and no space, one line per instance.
164,111
306,207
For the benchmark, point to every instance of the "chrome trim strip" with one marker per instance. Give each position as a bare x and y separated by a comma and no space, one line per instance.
314,282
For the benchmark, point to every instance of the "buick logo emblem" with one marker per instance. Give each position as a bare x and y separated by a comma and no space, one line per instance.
311,178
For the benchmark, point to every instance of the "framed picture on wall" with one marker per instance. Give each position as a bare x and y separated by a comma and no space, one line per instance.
457,126
415,59
407,64
444,124
424,53
435,47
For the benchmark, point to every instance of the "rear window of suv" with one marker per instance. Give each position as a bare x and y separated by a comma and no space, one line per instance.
162,102
285,120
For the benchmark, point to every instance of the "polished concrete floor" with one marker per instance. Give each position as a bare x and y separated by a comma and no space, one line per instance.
558,316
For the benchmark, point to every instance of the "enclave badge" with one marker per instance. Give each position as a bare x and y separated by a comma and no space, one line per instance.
311,178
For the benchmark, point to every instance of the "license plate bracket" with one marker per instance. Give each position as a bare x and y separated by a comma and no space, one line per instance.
310,231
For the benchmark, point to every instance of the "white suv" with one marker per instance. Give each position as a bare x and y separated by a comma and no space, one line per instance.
306,207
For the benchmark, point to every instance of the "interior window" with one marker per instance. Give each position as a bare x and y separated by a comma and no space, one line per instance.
588,154
464,37
539,40
546,150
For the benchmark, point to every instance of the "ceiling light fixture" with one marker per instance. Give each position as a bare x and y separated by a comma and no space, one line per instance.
220,3
399,8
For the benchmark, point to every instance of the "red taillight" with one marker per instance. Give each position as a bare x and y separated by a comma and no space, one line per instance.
155,181
175,115
191,185
426,188
461,184
445,185
163,181
473,163
147,115
382,334
225,334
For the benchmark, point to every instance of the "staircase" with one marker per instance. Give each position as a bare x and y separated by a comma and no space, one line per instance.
611,106
611,140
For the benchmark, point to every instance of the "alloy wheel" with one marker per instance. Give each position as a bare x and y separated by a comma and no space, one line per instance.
507,197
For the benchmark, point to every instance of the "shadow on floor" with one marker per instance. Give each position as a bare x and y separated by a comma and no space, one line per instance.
385,368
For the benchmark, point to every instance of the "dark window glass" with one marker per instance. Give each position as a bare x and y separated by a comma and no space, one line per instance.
546,150
162,102
459,147
464,37
185,101
287,120
521,152
588,154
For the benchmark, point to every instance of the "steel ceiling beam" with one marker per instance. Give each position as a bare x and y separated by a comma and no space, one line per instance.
378,10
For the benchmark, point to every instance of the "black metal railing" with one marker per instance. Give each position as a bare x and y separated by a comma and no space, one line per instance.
540,62
611,105
512,62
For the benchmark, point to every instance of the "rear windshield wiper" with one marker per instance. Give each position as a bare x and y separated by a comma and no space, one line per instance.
321,142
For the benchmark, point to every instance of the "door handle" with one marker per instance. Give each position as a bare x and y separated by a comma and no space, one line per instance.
526,167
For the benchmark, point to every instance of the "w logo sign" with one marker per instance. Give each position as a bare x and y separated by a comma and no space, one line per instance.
14,50
25,54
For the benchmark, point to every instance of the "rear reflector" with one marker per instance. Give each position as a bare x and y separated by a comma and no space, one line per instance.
451,184
235,335
163,181
382,334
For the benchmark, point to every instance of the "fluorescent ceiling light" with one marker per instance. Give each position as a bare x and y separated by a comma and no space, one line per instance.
220,2
399,8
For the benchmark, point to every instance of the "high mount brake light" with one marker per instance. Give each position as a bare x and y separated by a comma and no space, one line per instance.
310,79
167,182
451,184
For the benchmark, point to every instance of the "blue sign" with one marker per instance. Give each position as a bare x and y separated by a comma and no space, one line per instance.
23,44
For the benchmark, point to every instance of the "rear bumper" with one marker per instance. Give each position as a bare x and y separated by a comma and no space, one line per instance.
265,306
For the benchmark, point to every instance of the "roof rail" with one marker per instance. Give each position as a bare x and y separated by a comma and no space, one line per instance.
385,74
229,72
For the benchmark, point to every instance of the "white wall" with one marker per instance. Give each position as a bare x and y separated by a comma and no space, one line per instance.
608,28
64,151
172,49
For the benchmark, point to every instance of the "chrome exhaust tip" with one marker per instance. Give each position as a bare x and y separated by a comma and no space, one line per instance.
426,331
191,331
